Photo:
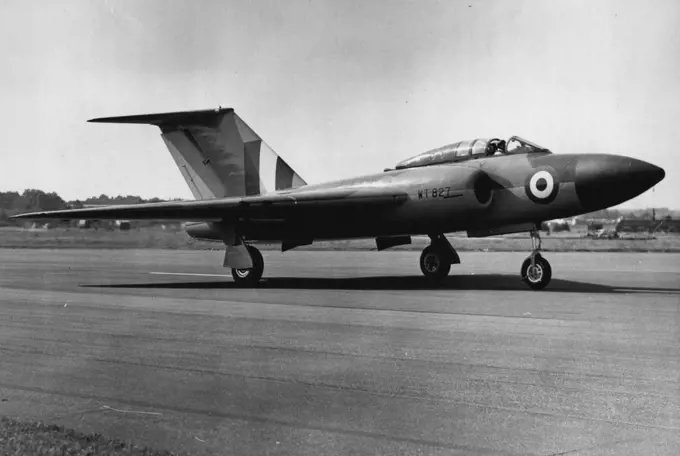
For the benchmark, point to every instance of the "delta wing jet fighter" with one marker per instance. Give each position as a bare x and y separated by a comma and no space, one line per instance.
246,194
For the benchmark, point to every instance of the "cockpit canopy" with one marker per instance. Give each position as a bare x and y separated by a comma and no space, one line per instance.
468,150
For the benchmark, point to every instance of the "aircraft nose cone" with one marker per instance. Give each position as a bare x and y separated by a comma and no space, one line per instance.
607,180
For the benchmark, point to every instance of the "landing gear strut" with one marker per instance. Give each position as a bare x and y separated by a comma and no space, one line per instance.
251,276
536,271
437,258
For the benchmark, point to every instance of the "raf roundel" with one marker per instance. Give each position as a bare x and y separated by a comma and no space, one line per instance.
542,186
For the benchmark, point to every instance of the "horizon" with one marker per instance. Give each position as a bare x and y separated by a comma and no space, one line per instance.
338,89
114,196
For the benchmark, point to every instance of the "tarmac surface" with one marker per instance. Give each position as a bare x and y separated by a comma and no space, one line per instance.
345,352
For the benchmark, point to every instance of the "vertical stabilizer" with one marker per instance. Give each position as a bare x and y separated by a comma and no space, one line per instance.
218,154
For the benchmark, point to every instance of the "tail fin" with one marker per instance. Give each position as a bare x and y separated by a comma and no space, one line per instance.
218,153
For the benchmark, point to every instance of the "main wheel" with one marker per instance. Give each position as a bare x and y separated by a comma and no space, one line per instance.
434,263
251,276
539,276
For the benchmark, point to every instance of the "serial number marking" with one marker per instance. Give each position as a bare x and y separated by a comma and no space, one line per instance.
437,193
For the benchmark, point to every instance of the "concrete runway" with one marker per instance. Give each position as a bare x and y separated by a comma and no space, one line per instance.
345,353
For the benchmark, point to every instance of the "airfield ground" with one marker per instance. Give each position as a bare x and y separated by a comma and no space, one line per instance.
345,352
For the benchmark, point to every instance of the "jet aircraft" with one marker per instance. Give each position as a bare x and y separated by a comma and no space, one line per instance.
246,194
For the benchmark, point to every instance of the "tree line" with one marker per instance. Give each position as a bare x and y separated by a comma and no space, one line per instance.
32,200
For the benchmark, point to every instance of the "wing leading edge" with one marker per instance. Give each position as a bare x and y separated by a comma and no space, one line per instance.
231,208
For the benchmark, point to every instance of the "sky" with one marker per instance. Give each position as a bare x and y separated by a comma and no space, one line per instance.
337,88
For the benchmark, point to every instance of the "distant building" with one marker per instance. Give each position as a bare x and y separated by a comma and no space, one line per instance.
123,225
666,225
554,226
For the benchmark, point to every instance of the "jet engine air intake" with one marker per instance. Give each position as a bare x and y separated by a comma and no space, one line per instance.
476,195
483,188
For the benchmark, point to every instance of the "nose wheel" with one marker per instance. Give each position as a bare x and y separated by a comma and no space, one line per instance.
536,271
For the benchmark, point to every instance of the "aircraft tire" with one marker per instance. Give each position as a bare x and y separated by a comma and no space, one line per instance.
435,264
250,277
540,278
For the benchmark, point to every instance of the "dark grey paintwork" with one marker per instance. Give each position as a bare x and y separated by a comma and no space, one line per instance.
479,191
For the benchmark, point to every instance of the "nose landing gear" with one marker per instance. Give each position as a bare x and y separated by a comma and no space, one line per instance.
536,271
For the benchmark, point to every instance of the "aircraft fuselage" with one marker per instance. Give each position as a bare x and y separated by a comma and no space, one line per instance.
475,195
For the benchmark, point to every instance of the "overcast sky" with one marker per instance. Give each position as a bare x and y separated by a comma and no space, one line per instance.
338,88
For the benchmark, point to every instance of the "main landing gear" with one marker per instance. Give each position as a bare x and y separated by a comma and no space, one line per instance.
250,277
536,271
435,263
437,258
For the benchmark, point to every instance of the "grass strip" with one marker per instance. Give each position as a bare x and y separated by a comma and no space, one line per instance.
38,438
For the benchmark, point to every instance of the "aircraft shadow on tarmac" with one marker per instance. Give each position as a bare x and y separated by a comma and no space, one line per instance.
479,282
